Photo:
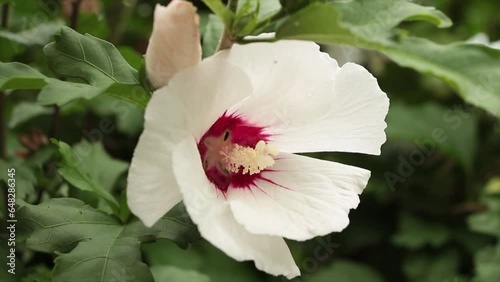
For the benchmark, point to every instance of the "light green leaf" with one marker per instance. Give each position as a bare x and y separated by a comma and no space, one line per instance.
38,35
213,30
415,233
25,111
433,127
20,76
346,271
74,169
175,274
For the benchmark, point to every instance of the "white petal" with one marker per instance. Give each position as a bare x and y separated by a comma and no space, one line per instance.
196,97
210,211
301,198
308,102
151,188
174,43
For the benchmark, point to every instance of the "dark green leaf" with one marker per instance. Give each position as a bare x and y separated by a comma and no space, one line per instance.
430,126
346,271
430,268
25,111
103,260
89,58
415,233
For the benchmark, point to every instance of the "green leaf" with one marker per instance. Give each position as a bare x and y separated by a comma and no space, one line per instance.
89,58
487,222
487,261
415,233
20,76
103,260
25,111
346,271
94,244
246,18
432,127
38,35
213,30
175,274
471,69
221,11
364,23
96,62
76,170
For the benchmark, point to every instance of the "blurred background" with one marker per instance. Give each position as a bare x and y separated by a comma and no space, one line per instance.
430,213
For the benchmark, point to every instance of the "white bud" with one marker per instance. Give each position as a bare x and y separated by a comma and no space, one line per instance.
174,43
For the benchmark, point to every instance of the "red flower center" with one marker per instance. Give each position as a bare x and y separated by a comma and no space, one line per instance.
234,152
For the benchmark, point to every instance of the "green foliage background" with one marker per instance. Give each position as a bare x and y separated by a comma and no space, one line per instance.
431,211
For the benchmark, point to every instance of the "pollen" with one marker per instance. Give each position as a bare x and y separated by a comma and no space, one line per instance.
249,160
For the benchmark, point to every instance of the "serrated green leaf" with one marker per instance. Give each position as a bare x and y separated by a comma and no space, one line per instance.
38,35
103,260
89,58
72,169
415,233
59,224
105,249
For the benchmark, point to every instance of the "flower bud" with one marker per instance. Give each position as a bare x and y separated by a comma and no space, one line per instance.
174,43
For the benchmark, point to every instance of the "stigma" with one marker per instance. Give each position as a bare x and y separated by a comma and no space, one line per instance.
247,159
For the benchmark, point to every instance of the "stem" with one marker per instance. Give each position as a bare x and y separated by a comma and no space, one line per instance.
75,12
226,41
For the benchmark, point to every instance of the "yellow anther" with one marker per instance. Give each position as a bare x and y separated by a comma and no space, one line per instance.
250,160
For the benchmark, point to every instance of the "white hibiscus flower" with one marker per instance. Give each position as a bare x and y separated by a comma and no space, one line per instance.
221,137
